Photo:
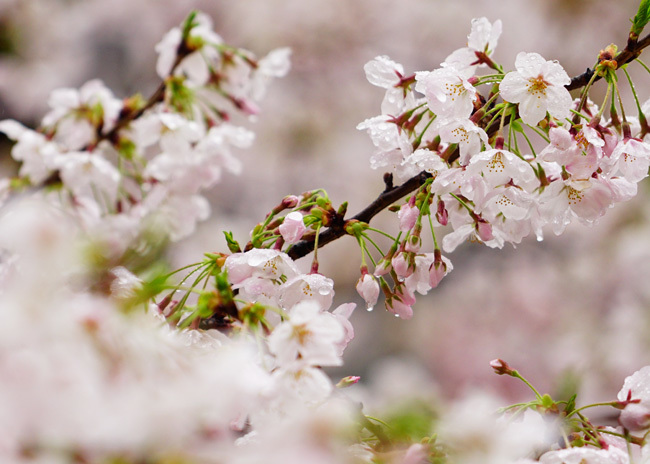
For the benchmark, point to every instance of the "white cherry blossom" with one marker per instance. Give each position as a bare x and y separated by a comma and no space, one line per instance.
448,92
538,87
309,338
482,38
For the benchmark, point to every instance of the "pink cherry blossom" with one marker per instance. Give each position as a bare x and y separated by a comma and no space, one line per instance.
293,227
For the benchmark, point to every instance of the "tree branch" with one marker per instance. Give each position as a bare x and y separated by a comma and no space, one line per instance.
631,52
383,201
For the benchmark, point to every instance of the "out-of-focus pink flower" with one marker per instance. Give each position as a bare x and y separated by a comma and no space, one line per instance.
636,393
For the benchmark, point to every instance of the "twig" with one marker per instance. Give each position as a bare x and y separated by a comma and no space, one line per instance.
392,194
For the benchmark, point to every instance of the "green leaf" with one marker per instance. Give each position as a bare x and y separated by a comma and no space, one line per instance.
641,19
571,405
189,24
516,125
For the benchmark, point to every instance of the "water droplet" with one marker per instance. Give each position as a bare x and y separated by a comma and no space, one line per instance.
370,308
324,291
396,315
540,239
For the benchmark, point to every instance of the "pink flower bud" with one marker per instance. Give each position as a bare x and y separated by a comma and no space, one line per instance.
440,267
382,268
400,303
484,230
436,272
401,265
347,381
293,227
500,367
399,308
368,289
413,244
290,201
442,215
407,215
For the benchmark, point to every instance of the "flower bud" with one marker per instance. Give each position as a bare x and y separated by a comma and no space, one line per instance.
500,367
484,230
293,227
407,215
348,381
368,289
401,265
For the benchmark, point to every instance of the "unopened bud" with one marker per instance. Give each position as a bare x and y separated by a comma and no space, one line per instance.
348,381
501,367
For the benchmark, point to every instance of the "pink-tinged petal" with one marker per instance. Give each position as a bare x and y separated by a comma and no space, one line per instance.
532,110
513,87
407,216
559,102
293,227
635,417
383,72
529,64
555,74
637,386
592,202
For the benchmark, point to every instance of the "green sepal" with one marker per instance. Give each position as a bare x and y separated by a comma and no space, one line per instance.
570,405
233,245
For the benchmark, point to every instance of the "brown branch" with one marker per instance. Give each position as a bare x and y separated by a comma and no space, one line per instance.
392,194
383,201
127,116
630,53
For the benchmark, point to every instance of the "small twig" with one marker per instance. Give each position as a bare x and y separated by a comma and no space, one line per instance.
392,194
159,94
384,200
630,53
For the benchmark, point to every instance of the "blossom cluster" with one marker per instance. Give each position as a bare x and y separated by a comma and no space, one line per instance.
133,170
500,165
225,364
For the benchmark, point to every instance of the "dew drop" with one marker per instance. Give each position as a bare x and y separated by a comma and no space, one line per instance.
370,308
540,239
324,291
396,315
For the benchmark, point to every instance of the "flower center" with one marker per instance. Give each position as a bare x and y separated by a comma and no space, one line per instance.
496,164
574,196
537,85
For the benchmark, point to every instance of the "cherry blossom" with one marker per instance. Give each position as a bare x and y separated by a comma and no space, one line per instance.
293,227
538,87
448,92
483,38
309,338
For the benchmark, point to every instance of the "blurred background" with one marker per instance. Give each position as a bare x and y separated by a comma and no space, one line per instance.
570,312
